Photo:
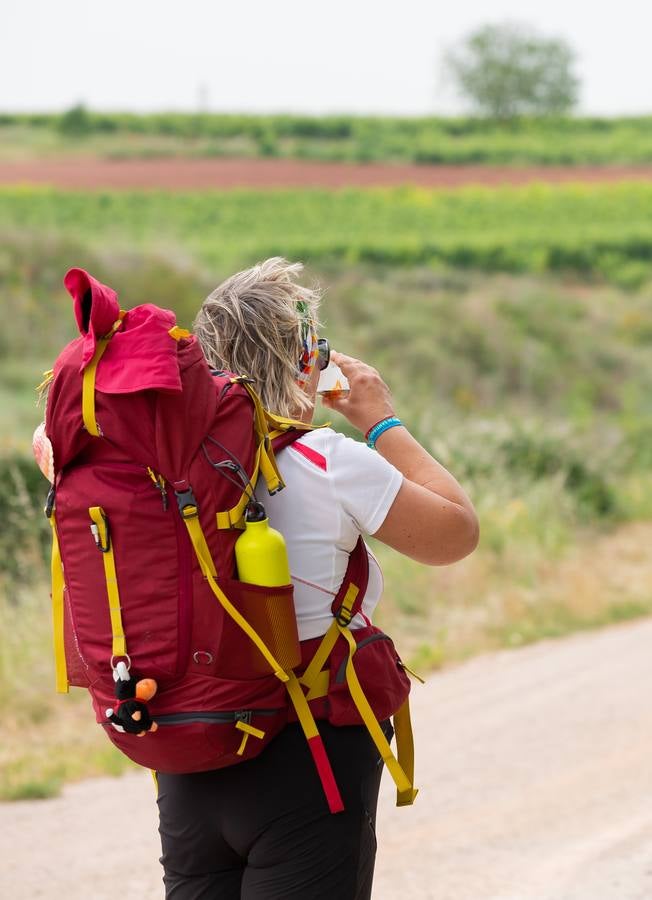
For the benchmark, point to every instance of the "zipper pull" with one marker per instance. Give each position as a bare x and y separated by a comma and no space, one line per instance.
159,484
399,662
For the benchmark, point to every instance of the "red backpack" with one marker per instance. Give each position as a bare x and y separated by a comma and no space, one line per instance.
156,459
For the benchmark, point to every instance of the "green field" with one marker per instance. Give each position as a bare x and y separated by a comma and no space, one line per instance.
430,140
589,231
514,328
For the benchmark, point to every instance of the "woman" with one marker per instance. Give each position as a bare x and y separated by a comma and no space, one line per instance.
262,829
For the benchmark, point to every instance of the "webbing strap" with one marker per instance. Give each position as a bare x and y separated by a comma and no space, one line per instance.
103,540
315,744
88,389
322,653
305,716
405,790
405,748
56,569
313,671
207,567
234,517
88,379
268,467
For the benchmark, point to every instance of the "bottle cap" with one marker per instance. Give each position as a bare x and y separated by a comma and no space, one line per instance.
255,512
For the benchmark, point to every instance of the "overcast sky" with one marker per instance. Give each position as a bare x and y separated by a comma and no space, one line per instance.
363,56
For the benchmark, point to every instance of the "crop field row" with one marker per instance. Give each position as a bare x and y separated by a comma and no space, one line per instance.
602,231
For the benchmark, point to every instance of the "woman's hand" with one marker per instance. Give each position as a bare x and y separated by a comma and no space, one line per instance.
370,399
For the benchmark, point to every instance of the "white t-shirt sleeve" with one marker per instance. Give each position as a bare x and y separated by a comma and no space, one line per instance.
363,482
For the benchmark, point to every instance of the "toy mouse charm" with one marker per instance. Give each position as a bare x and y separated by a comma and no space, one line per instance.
131,714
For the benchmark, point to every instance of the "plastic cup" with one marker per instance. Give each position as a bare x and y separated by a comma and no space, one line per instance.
333,383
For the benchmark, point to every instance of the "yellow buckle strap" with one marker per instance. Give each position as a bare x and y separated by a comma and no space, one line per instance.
58,584
405,790
207,567
100,531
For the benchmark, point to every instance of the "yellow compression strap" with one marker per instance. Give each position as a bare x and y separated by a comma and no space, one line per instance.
314,678
405,790
300,703
100,529
208,570
88,389
88,379
61,672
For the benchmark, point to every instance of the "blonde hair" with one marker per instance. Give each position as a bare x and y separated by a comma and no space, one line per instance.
252,323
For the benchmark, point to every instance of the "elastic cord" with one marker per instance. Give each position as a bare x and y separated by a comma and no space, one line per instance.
379,428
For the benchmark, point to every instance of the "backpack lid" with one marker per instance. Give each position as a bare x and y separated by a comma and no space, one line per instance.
142,354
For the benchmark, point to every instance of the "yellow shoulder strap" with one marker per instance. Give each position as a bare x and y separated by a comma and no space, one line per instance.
61,672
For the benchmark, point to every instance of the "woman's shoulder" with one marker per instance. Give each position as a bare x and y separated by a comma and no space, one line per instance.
331,444
342,455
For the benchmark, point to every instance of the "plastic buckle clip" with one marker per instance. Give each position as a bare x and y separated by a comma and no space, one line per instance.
49,503
187,504
343,617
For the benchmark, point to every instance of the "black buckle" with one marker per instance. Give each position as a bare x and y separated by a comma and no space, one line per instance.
187,504
49,503
343,617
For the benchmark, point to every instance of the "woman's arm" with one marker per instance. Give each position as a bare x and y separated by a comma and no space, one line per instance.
431,520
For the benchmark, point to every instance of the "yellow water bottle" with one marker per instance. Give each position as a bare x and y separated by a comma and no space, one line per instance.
260,551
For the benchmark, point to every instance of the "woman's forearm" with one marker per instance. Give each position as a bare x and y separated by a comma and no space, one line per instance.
404,452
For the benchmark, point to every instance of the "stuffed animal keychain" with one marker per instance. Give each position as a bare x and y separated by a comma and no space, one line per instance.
131,714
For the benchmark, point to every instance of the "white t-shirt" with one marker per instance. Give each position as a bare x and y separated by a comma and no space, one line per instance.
336,489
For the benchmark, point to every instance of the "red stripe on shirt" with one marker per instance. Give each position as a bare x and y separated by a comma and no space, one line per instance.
311,455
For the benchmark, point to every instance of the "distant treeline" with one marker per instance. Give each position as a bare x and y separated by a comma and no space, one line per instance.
549,140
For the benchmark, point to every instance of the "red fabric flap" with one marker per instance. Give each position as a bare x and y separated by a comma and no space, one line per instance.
141,355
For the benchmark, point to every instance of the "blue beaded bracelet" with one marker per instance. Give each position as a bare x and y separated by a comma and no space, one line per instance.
379,428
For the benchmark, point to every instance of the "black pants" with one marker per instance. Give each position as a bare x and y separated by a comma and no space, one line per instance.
262,830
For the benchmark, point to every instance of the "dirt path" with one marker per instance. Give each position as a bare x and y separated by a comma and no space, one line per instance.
189,174
535,769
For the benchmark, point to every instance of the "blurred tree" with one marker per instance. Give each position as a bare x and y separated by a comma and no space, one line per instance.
75,121
507,70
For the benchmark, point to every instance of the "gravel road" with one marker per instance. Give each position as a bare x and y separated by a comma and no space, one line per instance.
535,770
